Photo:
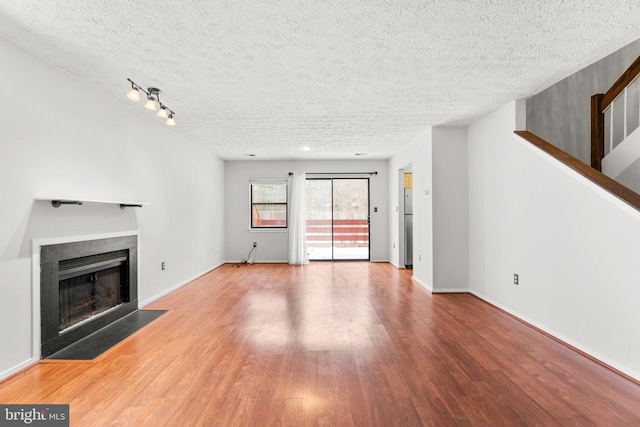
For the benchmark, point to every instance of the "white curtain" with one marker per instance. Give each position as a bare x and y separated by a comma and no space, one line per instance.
297,232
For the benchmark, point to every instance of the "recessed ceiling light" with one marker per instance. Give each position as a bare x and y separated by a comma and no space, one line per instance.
306,148
361,154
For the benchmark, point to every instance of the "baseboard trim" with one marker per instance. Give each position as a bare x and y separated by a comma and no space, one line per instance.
450,291
422,284
556,337
12,372
286,262
256,262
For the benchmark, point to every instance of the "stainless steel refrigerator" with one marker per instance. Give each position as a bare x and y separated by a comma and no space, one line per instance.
408,228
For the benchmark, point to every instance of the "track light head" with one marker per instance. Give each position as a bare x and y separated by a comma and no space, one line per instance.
152,98
134,95
170,120
151,103
162,112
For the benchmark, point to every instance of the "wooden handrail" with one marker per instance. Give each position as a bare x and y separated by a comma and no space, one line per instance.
623,81
623,193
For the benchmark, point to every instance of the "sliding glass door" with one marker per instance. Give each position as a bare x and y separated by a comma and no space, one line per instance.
338,218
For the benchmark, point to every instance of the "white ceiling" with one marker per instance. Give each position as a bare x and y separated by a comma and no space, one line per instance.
362,76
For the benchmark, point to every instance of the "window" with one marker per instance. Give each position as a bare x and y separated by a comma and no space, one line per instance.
268,203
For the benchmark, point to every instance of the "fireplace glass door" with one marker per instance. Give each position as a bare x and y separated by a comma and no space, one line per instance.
88,295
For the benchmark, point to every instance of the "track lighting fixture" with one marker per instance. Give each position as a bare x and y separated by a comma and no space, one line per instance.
153,101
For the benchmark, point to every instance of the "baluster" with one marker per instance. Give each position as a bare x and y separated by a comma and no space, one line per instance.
624,114
633,106
617,121
607,131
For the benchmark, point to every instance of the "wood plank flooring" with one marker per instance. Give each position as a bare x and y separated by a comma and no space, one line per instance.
344,344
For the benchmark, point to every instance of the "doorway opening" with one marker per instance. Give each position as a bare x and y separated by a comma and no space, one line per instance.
338,219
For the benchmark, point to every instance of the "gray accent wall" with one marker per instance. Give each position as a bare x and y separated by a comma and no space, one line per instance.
561,113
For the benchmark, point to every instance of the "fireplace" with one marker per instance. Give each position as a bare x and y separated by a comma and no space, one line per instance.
85,286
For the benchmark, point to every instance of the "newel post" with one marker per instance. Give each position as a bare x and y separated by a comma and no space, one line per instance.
597,131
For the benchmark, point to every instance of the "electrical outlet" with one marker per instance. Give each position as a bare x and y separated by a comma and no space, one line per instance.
162,265
516,279
255,244
420,257
394,245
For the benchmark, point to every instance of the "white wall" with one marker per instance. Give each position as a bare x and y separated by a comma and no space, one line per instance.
272,245
450,210
575,247
59,138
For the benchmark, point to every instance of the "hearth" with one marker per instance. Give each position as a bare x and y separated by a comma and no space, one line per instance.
84,287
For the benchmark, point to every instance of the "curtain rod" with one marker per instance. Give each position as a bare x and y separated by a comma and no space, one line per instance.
340,173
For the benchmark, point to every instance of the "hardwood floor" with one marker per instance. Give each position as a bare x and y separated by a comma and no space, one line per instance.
329,344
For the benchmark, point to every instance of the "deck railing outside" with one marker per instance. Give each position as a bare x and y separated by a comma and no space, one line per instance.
345,232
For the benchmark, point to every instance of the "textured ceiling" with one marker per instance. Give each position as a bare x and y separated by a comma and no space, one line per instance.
342,77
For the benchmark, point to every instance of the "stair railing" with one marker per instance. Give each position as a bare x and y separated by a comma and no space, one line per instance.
615,114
